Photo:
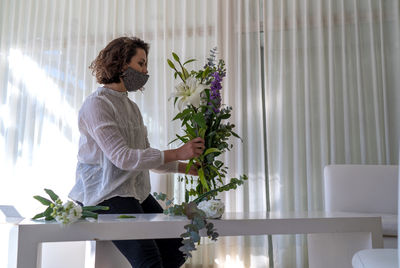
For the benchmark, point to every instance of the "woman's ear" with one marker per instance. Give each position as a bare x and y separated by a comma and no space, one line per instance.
124,67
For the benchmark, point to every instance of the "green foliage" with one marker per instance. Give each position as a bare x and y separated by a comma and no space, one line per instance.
197,217
209,121
206,122
55,206
126,217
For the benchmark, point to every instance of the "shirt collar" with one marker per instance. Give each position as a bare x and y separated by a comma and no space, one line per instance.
113,92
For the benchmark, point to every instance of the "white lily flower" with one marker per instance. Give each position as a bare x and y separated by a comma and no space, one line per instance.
188,93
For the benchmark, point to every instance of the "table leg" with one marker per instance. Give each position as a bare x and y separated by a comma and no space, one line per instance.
28,251
377,239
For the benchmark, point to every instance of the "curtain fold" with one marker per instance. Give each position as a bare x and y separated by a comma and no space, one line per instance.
329,76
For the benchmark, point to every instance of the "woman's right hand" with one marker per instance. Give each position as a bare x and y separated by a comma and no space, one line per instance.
191,149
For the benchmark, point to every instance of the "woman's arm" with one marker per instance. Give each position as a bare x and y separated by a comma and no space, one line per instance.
175,167
182,169
99,120
189,150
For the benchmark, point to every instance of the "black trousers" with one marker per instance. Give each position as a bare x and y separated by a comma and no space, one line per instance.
146,252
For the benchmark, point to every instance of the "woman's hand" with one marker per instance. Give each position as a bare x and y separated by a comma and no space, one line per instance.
189,150
192,171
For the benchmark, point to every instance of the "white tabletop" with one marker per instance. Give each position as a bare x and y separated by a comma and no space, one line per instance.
152,226
231,216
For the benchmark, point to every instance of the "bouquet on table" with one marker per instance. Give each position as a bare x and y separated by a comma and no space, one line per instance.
202,114
67,212
64,213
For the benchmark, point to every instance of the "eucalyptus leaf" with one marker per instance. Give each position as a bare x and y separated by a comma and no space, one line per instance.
185,235
195,236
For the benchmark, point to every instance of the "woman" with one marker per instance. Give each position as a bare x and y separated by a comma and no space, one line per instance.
115,157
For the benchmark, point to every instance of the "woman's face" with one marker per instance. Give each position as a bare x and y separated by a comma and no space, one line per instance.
139,61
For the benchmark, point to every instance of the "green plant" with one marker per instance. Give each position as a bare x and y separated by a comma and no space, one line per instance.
197,217
64,213
202,114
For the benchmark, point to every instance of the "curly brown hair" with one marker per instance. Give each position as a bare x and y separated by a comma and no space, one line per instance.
108,65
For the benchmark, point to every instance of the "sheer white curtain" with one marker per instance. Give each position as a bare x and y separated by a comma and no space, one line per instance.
239,35
46,47
330,71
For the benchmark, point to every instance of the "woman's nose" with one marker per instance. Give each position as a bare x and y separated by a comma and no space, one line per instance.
145,70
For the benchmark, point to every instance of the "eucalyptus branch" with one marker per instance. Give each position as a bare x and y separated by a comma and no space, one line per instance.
232,185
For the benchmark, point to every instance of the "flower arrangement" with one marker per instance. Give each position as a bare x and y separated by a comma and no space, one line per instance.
198,97
202,114
64,213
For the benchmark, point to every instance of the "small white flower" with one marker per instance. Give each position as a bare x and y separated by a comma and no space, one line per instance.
188,93
67,213
212,208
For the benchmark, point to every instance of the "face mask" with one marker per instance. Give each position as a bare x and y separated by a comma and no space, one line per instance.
134,80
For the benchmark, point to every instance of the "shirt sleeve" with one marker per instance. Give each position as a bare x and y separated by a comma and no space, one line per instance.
99,119
171,167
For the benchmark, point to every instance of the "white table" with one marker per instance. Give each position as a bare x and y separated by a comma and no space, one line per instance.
145,226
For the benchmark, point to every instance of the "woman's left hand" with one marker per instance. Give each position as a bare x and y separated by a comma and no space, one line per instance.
192,170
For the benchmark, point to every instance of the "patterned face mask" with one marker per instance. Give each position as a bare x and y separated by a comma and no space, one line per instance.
134,80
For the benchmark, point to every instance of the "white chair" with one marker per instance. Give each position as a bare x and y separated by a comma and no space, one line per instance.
374,258
383,258
371,189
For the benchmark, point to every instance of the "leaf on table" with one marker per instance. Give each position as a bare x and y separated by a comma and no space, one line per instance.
126,217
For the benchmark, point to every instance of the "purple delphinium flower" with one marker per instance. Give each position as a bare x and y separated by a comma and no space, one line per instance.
215,95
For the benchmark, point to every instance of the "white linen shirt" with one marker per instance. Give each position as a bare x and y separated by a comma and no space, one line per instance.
114,156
